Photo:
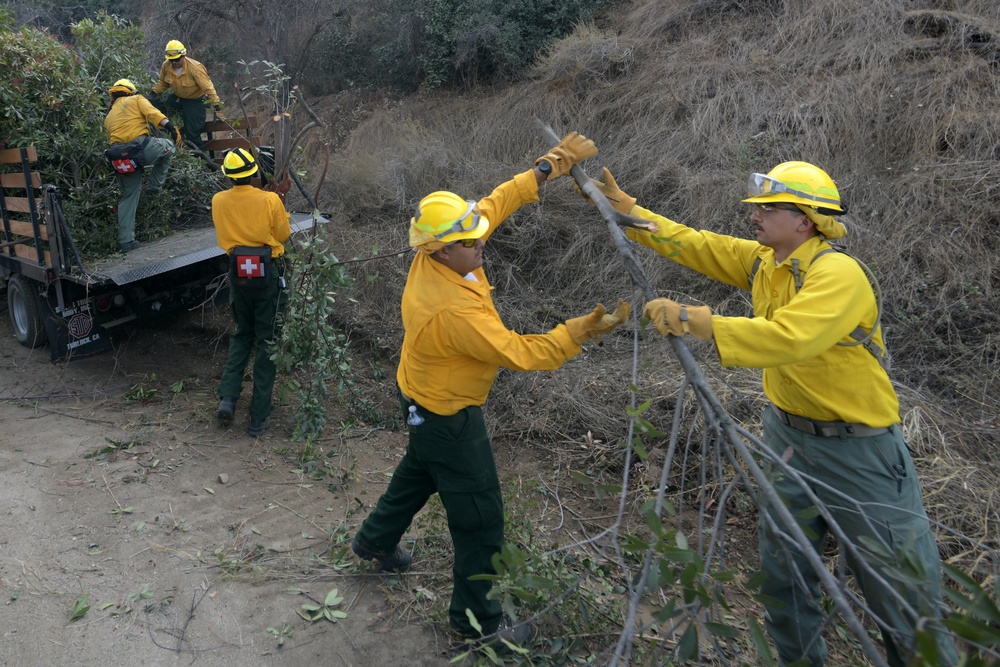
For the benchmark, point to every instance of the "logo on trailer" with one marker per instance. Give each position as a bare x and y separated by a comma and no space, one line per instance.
80,325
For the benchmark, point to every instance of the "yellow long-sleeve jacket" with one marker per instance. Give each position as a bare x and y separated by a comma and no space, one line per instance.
793,335
454,339
191,84
245,215
130,117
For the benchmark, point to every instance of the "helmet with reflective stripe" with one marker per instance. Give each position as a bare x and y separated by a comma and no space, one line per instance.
239,163
122,86
446,217
796,183
174,50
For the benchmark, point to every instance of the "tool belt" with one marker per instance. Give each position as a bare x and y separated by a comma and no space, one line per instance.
129,157
827,429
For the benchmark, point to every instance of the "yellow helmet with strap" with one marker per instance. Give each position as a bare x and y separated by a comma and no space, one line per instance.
174,50
239,163
122,86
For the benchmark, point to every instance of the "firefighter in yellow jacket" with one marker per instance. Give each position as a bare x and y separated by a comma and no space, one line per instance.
190,87
453,345
834,415
248,220
129,119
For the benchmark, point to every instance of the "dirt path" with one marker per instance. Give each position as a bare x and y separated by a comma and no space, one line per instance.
188,541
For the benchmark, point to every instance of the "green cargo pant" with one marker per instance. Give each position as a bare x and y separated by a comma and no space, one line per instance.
450,456
192,113
877,473
158,154
257,314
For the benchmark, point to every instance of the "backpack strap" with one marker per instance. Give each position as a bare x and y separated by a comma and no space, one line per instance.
859,335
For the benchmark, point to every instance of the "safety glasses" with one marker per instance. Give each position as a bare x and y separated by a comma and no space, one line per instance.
464,223
466,243
762,184
768,208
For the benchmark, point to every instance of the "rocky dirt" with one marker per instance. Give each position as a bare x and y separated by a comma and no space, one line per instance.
187,541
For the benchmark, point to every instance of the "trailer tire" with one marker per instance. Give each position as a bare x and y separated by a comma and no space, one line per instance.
26,313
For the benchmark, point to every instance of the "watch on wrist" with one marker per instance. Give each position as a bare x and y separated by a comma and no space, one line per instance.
545,167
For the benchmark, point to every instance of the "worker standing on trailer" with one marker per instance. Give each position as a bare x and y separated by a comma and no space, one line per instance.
190,88
128,120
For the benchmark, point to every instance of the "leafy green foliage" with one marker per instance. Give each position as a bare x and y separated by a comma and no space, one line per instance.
50,103
440,43
313,353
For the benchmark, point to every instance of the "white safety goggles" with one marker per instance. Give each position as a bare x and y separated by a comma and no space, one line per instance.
762,184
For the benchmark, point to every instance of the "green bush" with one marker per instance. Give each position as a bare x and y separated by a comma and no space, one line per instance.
442,43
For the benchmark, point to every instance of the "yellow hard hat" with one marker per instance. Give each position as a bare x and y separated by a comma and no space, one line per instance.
446,217
239,163
122,86
797,183
808,187
174,50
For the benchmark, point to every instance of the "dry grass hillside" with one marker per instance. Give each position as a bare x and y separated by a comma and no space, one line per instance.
898,100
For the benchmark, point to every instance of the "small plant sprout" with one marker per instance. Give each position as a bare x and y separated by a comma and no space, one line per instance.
281,634
327,610
80,609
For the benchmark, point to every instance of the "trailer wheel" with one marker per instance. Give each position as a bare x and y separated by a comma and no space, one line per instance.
26,313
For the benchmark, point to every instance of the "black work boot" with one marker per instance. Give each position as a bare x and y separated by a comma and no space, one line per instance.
397,561
256,427
226,410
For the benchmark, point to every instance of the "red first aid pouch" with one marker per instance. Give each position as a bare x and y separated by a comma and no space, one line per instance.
128,158
250,267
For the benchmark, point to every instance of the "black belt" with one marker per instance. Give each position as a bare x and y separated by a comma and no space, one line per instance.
827,429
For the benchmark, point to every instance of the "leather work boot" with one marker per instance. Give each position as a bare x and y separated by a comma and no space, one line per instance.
226,410
397,561
256,427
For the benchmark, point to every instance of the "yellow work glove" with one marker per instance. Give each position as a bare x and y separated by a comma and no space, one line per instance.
621,201
671,317
597,323
172,129
572,149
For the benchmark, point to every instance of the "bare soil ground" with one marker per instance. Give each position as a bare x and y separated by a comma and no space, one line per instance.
112,492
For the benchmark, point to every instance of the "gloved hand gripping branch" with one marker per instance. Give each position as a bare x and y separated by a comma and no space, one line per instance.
671,317
597,323
175,134
573,148
615,195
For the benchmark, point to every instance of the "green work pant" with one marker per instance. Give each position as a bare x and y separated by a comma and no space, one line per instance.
877,473
257,314
192,113
450,456
158,154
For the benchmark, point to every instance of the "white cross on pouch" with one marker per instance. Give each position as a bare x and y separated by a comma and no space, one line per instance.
249,267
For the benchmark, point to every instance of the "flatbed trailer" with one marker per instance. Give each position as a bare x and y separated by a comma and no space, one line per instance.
55,297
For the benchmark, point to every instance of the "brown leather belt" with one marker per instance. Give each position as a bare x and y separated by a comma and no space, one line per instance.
827,429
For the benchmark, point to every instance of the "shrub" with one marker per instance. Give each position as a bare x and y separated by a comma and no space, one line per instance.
443,43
